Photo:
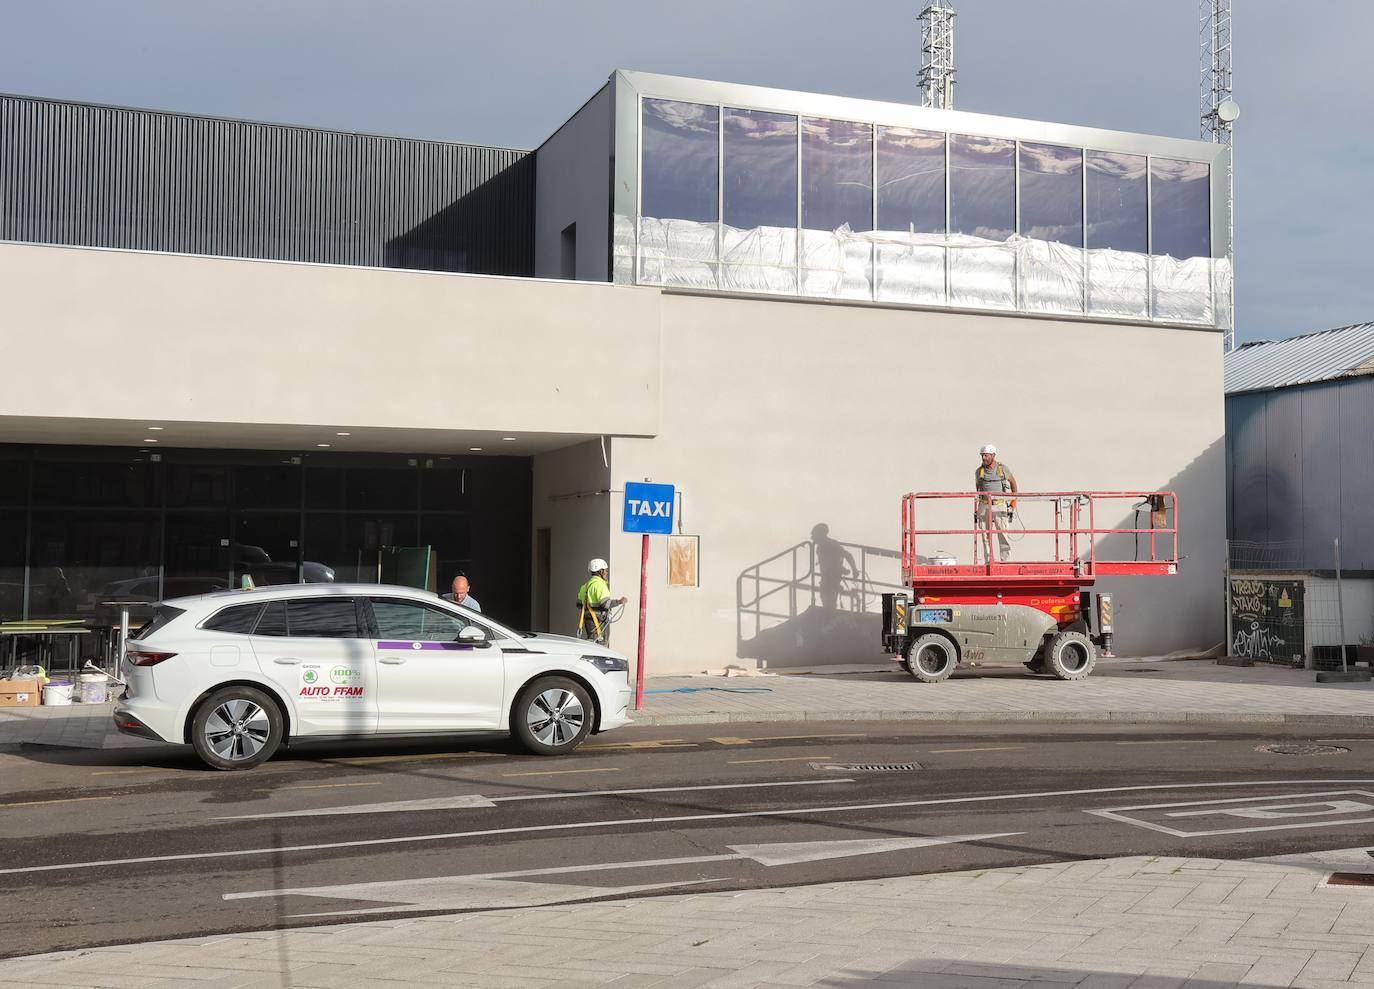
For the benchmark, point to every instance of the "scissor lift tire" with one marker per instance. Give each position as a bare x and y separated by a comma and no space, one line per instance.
932,657
1069,655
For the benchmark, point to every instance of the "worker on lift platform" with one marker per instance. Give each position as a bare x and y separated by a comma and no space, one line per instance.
993,514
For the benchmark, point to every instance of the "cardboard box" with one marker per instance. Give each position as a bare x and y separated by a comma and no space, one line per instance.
20,693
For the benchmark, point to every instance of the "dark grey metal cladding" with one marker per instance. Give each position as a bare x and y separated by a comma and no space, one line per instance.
1300,473
80,174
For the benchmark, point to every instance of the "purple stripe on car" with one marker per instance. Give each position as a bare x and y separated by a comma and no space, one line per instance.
408,644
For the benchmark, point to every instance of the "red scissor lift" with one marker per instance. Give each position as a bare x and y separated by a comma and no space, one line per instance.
1041,612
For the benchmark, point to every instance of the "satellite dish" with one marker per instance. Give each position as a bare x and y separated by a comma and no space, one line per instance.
1228,110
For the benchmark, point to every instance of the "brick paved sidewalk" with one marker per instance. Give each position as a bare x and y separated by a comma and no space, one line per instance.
1146,923
1119,691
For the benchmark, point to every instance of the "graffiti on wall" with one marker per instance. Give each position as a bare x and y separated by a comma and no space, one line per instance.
1267,622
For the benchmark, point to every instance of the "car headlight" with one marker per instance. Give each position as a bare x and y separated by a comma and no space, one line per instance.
609,664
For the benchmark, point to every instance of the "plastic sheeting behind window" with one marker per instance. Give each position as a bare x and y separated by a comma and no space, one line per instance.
1020,274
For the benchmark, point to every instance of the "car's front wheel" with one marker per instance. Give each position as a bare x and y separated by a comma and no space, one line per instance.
552,715
236,728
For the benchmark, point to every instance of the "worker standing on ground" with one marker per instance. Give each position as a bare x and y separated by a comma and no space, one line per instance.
594,603
993,514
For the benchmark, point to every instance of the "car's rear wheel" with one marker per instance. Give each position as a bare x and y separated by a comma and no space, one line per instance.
236,728
552,715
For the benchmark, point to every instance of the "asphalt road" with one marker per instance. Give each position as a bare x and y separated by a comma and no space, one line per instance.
102,847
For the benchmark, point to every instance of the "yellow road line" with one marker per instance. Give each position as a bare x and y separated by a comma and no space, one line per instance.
1173,741
728,740
665,743
63,800
374,759
990,748
123,772
565,772
317,786
800,758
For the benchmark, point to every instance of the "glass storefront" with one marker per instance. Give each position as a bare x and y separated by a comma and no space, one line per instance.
84,526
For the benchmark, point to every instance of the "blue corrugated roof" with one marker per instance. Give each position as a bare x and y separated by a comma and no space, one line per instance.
1340,353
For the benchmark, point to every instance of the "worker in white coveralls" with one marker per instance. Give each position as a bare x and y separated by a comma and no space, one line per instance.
594,603
992,514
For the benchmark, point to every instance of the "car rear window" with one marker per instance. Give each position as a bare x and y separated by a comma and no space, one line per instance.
311,618
163,615
239,619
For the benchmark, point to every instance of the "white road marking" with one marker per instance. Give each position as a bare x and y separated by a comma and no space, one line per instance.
640,822
469,800
495,889
566,772
1173,741
989,748
320,786
1267,811
63,800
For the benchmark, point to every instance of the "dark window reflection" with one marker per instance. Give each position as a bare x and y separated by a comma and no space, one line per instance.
447,489
380,487
266,548
105,484
760,169
276,486
1052,193
198,548
679,173
14,480
1116,208
911,180
837,174
273,620
12,533
80,559
1180,201
322,618
239,619
982,186
197,486
324,487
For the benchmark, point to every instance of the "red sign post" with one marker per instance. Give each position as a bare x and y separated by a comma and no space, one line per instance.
648,511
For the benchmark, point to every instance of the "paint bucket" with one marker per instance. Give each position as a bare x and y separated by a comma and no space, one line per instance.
93,688
57,692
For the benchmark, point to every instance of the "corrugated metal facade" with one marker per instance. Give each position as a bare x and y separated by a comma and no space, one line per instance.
1300,471
73,173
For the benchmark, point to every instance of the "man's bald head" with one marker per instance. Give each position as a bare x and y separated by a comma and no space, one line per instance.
460,588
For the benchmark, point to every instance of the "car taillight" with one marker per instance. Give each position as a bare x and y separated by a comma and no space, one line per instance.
147,657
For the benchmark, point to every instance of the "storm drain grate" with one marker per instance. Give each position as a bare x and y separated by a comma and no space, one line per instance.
1350,879
1302,748
865,767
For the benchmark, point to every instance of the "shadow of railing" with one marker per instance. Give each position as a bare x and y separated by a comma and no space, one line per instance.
820,595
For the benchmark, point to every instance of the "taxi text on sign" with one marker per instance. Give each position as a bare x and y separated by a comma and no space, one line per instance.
649,508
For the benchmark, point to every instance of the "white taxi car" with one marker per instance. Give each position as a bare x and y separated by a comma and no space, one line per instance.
237,673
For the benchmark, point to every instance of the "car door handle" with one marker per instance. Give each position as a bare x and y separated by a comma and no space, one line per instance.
392,660
286,661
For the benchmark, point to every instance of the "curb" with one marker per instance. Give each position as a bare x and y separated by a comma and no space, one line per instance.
999,717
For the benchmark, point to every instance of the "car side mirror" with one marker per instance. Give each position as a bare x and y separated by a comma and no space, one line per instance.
473,635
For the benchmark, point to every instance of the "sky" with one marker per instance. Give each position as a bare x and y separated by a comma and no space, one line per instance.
508,72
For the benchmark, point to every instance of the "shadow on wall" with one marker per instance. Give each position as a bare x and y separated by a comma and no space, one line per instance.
1157,615
816,602
474,234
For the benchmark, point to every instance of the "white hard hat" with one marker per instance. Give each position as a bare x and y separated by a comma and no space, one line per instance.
988,448
597,564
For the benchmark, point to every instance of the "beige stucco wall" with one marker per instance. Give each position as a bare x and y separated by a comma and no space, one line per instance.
781,416
171,338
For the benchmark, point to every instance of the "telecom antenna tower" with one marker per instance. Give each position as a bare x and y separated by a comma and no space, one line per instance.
937,49
1219,112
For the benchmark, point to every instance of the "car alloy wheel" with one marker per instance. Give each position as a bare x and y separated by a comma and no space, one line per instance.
237,730
556,716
